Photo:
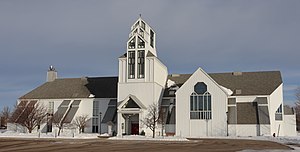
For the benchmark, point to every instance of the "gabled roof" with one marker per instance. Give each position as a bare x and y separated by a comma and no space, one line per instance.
99,87
134,98
150,54
250,83
123,56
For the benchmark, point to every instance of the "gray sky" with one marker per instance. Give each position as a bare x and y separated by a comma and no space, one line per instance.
85,38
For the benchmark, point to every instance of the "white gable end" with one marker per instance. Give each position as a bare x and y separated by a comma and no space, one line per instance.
216,126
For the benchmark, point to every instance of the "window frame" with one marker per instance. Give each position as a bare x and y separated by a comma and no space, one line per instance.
200,109
131,64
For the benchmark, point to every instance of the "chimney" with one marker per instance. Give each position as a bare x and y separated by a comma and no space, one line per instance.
238,91
51,74
237,73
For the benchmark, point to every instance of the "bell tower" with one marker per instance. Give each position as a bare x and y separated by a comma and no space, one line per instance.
142,78
141,42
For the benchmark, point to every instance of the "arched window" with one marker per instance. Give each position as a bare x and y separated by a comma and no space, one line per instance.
200,102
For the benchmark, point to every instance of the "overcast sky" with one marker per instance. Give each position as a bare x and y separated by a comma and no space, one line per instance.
85,38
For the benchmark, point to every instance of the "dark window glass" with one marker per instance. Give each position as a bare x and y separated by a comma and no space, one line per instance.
131,64
131,43
141,43
95,129
151,38
200,104
191,103
141,64
205,102
143,25
200,88
209,102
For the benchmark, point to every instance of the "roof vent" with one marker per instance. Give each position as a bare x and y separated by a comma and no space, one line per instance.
237,73
175,75
238,91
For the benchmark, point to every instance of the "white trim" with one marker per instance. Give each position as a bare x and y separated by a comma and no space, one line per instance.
135,99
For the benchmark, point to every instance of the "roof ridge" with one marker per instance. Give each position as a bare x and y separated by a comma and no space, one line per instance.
245,72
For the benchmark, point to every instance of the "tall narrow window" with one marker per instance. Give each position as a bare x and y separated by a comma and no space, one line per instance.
141,43
200,102
143,25
151,38
51,107
95,122
131,43
141,64
131,64
49,116
142,33
278,113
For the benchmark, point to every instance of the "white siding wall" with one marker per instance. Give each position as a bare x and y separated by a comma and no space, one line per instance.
276,98
148,90
246,130
232,130
85,108
249,130
149,70
161,72
290,125
265,130
185,127
122,69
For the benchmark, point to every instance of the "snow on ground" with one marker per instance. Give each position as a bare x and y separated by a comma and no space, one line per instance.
13,134
158,138
291,141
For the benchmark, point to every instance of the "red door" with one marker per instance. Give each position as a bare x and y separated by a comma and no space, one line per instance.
134,128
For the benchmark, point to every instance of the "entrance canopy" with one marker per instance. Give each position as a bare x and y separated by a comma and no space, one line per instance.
131,104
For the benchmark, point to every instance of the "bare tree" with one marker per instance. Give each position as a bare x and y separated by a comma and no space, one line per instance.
152,118
297,107
81,122
29,114
5,115
59,121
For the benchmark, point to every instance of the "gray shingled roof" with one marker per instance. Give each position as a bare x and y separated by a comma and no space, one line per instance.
100,87
250,83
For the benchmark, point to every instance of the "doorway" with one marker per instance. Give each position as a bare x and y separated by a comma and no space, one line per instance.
134,128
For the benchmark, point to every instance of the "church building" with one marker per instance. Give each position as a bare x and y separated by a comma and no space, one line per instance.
198,104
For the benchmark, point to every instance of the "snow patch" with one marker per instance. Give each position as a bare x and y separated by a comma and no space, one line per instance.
91,96
69,135
228,91
170,83
139,137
